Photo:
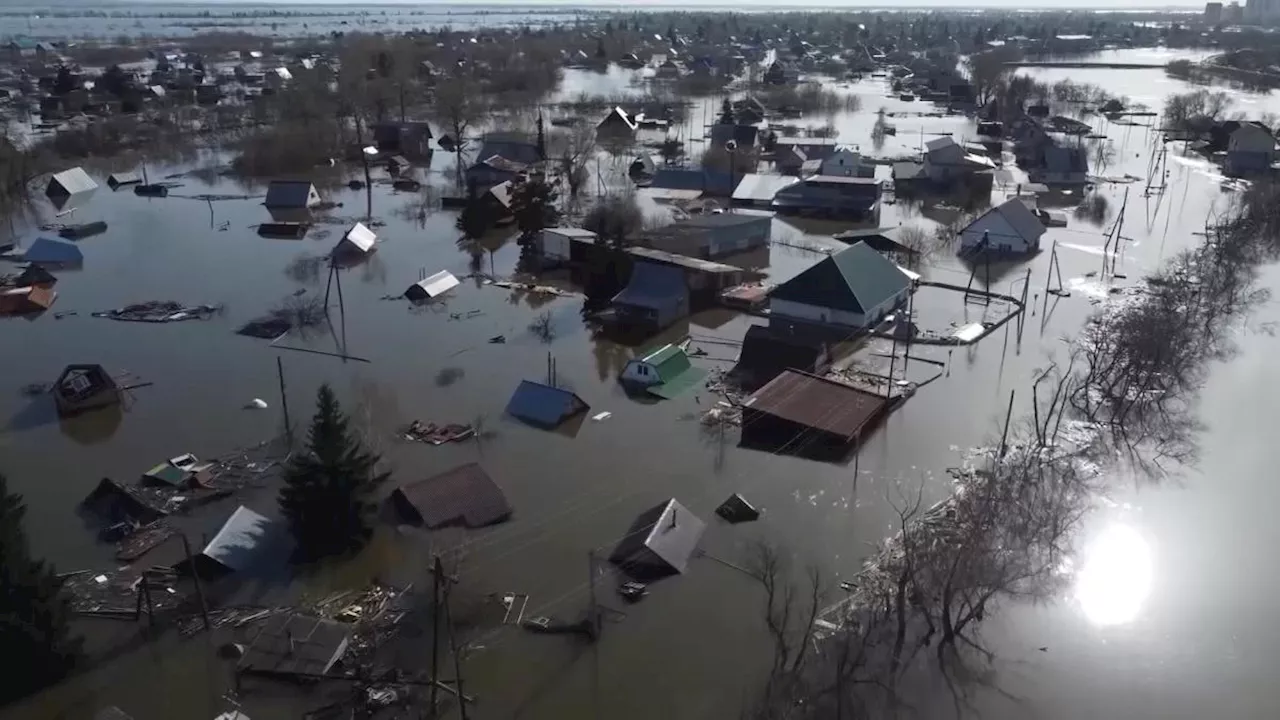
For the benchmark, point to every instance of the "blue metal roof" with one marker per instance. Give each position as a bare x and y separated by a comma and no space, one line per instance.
653,286
53,252
543,405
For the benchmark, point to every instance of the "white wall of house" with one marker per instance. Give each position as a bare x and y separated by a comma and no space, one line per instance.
640,373
1002,235
830,316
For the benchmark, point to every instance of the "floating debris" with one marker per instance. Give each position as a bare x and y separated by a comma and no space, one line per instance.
530,288
160,311
434,434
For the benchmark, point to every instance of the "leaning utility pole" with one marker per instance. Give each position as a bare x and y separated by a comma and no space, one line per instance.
437,576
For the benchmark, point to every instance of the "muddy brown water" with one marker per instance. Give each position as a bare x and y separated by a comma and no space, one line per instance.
694,646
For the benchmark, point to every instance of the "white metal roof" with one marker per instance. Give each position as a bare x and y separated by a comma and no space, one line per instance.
238,538
360,237
438,284
762,187
74,181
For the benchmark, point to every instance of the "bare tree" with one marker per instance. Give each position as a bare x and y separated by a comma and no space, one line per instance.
456,108
573,149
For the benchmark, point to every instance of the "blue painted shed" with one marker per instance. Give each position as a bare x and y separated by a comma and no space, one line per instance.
544,406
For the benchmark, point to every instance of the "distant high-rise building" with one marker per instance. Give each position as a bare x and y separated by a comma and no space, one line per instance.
1213,13
1233,14
1262,10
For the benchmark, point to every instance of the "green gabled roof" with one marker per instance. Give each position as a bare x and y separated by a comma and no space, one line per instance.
854,279
677,373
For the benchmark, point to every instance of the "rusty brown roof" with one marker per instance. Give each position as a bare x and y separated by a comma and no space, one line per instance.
816,402
464,495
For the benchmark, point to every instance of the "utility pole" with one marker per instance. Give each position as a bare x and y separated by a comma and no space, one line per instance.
437,576
284,403
195,574
453,648
1004,436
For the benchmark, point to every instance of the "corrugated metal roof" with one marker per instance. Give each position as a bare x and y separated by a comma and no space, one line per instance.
816,402
543,405
856,279
663,538
757,187
466,494
433,286
296,645
239,538
1018,215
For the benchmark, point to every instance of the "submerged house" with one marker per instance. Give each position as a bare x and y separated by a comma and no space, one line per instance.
432,287
411,139
665,372
494,170
1251,150
767,352
296,646
81,388
946,161
544,406
357,241
846,163
1008,228
617,123
854,289
244,540
67,184
655,297
854,198
556,245
712,235
53,253
1061,165
465,495
660,542
831,417
292,195
515,148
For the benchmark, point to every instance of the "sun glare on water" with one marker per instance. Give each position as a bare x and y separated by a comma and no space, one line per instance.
1115,576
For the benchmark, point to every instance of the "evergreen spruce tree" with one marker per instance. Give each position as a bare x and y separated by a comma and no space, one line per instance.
726,112
35,616
325,498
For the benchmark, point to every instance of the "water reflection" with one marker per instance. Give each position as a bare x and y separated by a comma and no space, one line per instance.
1113,583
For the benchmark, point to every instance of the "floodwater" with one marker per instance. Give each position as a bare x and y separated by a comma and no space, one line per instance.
1133,639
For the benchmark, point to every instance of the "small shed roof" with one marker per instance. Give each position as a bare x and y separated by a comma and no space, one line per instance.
664,537
736,509
675,371
47,251
359,238
70,182
432,286
291,194
296,645
543,405
816,402
618,116
466,495
115,180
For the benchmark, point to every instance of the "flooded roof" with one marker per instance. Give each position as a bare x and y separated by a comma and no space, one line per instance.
1019,217
71,182
761,187
663,539
239,538
466,495
433,286
766,353
291,194
543,405
817,403
47,251
296,645
661,256
653,286
360,238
